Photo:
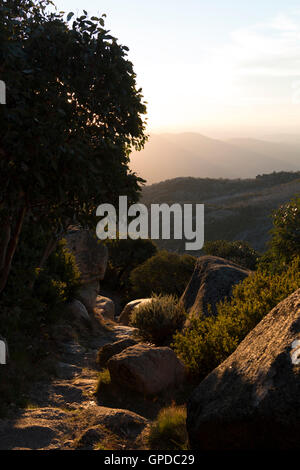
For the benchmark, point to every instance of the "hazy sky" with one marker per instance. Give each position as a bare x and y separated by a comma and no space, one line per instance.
216,66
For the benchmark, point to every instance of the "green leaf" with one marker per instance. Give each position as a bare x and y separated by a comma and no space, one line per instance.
70,15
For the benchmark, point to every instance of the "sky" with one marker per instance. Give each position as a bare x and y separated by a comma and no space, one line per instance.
224,68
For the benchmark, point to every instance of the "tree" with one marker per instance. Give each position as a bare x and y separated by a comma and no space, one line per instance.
124,256
73,113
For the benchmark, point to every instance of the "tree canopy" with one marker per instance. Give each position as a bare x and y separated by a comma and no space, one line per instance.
72,115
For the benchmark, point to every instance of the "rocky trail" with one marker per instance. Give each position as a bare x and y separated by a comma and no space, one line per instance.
64,413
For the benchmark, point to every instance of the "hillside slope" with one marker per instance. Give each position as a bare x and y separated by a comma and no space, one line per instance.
234,209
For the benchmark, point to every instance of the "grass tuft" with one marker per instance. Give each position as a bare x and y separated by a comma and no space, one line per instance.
168,431
104,381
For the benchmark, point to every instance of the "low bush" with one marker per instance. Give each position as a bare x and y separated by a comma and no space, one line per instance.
164,273
168,431
159,319
209,341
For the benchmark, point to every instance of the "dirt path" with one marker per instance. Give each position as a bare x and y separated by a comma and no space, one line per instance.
64,413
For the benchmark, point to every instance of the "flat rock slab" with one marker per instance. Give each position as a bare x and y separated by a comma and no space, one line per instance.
34,429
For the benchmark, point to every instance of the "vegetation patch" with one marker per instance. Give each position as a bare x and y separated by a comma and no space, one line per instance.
168,431
239,252
164,273
209,341
159,319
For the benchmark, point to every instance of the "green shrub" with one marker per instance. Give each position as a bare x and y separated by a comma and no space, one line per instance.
168,431
239,252
159,319
285,241
209,341
28,310
58,282
163,273
26,305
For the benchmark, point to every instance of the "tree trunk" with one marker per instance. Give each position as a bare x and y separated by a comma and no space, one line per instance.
11,247
50,247
4,243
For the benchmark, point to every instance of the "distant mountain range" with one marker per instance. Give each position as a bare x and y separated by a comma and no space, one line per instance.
169,155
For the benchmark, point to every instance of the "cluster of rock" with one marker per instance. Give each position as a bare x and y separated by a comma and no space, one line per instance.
251,401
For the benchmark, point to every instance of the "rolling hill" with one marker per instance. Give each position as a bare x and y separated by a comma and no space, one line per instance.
235,209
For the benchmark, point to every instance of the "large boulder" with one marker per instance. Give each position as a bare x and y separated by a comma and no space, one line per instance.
211,282
105,307
109,350
77,310
252,400
146,369
91,258
127,311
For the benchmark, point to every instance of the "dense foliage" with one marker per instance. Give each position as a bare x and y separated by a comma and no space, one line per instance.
239,252
29,311
159,319
208,341
72,115
285,241
163,273
124,256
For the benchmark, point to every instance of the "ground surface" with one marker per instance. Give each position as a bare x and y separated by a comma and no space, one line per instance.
64,411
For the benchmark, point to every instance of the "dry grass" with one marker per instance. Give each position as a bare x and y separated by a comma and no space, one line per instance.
168,431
